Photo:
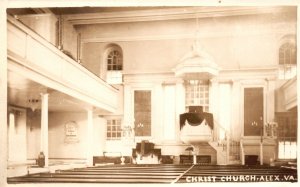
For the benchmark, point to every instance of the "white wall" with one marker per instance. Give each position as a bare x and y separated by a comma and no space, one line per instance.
59,148
69,38
43,24
234,42
17,151
33,133
92,57
99,136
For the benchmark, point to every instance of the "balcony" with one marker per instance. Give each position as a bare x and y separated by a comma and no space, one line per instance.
38,60
290,93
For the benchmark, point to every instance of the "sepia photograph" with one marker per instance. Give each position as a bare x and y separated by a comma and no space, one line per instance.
181,93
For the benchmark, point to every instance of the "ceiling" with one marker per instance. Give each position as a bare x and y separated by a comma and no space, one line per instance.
81,10
22,90
98,15
84,10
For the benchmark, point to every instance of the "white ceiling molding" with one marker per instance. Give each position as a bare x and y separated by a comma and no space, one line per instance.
170,14
42,10
265,73
215,34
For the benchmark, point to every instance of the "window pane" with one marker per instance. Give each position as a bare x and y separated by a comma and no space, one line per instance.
118,128
287,134
196,93
118,134
114,63
287,60
114,130
142,112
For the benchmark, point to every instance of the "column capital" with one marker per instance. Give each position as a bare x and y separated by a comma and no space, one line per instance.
89,109
214,80
235,80
179,81
273,78
44,94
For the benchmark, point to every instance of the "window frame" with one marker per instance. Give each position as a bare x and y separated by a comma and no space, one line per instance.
197,94
287,59
112,68
114,122
149,126
116,60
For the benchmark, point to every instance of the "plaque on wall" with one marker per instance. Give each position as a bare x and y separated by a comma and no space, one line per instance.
71,132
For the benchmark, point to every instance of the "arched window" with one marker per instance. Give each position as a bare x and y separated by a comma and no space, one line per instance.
114,64
114,60
287,60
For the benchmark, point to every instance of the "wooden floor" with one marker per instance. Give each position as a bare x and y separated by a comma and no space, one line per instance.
163,174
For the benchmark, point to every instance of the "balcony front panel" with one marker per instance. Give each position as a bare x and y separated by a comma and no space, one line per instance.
35,53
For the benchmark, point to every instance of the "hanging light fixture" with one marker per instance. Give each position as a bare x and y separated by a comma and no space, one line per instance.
33,104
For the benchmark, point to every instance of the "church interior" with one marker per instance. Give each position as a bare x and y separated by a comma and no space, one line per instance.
151,94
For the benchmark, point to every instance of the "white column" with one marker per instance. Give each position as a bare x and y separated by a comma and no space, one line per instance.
11,135
3,95
89,147
236,125
270,101
158,119
44,127
261,154
180,106
213,104
213,98
169,111
128,108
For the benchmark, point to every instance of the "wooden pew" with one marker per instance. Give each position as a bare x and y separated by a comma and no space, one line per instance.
157,174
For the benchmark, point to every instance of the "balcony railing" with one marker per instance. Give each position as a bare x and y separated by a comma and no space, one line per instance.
232,147
290,93
26,49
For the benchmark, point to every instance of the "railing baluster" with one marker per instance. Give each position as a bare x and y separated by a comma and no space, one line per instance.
232,147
